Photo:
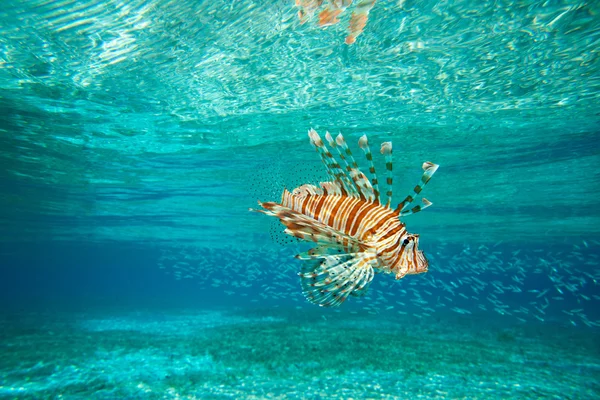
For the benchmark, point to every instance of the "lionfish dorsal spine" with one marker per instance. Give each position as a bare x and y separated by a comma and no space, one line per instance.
335,172
363,143
360,180
429,169
342,177
386,150
416,209
353,191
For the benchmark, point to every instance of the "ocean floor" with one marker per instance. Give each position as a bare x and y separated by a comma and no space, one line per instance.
291,353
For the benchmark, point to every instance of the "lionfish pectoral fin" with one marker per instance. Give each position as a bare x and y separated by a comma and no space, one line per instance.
328,280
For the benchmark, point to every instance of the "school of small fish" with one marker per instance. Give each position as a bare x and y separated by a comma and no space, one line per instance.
525,285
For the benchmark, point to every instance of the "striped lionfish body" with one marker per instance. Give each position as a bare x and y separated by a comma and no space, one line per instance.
355,233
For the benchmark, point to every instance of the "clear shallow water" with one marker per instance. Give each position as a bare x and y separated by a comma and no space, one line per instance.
130,119
134,137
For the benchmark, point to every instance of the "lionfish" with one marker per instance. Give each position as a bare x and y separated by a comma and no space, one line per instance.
355,233
334,8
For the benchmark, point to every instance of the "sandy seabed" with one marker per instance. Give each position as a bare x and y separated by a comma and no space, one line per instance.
290,353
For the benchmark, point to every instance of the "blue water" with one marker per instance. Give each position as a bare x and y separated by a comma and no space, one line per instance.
134,136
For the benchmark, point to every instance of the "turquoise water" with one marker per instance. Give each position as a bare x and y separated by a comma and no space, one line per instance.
134,136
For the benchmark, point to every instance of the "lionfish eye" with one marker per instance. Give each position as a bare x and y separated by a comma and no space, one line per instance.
406,241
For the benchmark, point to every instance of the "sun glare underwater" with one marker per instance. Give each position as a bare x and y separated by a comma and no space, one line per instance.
136,135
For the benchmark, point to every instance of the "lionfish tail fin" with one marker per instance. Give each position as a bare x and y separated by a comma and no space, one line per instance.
266,207
328,280
429,169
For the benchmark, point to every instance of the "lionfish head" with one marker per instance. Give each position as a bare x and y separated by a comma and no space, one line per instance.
412,260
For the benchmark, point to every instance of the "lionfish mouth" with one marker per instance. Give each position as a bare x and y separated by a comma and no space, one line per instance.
422,264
